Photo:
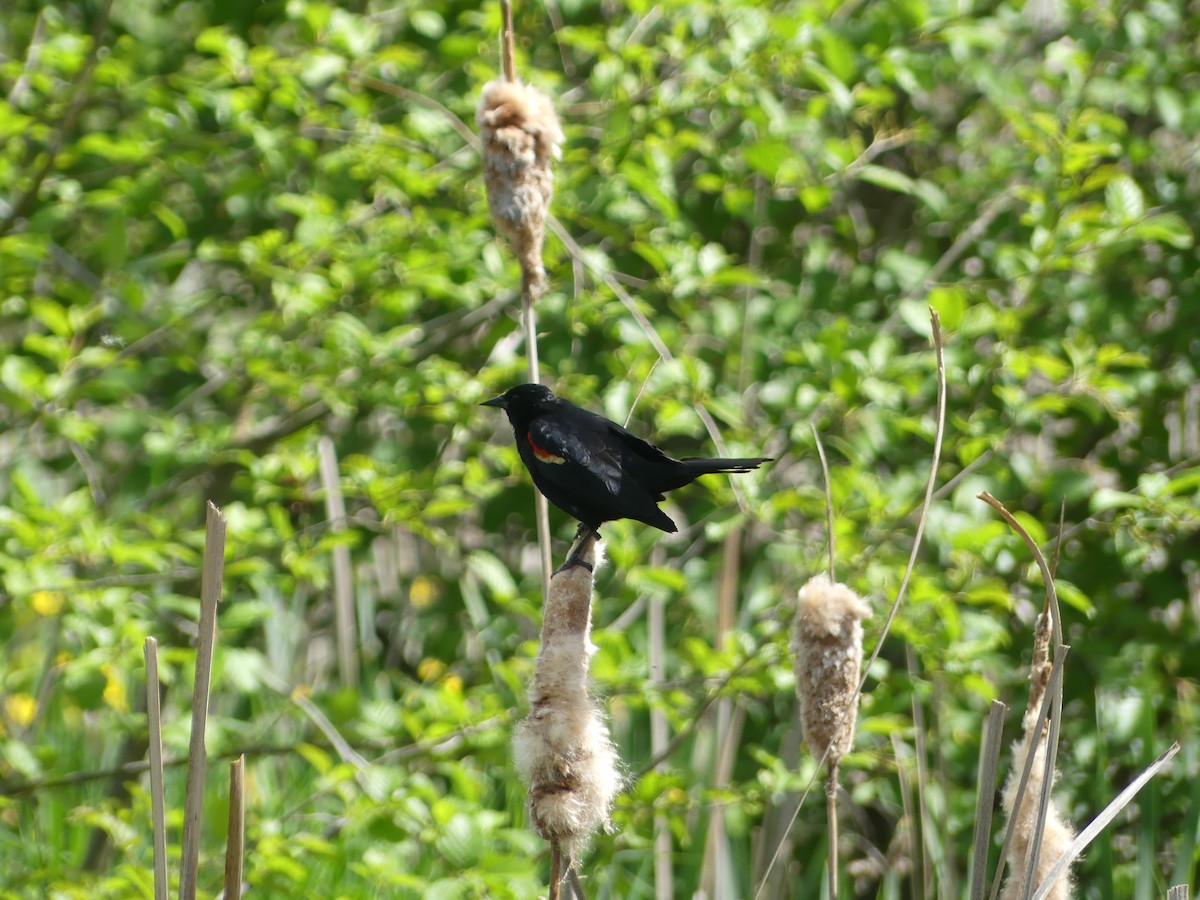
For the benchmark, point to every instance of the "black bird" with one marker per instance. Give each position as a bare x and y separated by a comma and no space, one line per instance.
591,467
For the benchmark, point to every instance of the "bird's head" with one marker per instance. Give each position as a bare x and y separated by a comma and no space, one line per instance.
524,402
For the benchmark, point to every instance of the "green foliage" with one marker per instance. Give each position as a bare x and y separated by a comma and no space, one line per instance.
222,238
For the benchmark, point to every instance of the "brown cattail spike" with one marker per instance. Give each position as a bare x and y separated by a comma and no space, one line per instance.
1057,834
521,135
828,648
563,750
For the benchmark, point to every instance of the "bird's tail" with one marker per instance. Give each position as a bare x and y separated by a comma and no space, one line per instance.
710,466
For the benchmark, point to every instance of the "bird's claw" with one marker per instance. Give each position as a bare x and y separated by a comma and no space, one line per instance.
583,538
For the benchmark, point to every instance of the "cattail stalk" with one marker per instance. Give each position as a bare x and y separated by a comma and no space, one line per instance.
520,134
1028,863
562,750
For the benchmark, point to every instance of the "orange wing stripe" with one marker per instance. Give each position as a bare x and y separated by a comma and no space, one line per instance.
542,453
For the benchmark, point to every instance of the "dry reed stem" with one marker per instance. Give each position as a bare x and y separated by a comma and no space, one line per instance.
562,750
555,870
828,504
345,624
212,574
989,756
157,802
1102,821
831,817
664,879
921,856
508,62
541,507
235,842
726,729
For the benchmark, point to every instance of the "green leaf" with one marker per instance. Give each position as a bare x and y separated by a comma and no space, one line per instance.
1166,228
1124,200
1107,498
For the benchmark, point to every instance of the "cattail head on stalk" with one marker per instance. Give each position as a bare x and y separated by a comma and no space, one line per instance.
521,135
828,649
1057,833
563,750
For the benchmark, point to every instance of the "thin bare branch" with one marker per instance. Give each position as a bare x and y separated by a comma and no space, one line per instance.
641,390
938,436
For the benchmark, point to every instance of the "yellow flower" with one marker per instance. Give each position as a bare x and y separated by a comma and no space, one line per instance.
47,603
454,684
21,708
430,669
114,688
423,592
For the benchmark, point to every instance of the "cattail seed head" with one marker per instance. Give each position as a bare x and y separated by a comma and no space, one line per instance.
562,749
1057,834
521,135
827,644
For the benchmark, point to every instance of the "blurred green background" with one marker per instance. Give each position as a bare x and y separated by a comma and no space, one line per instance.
230,229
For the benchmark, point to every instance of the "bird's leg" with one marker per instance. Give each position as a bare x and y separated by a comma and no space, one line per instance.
583,538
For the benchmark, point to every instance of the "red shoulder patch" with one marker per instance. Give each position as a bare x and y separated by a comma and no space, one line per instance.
542,454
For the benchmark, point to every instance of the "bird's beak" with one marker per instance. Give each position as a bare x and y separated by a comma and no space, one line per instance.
496,401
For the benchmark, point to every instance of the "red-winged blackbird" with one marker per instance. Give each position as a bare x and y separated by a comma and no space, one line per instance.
591,467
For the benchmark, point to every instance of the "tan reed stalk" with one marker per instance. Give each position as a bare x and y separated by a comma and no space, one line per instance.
519,136
989,756
235,841
157,802
212,573
343,576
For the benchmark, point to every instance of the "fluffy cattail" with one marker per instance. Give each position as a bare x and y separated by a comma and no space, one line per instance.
521,134
562,750
1057,835
828,648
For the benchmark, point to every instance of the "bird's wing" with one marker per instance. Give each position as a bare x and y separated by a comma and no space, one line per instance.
553,446
642,448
